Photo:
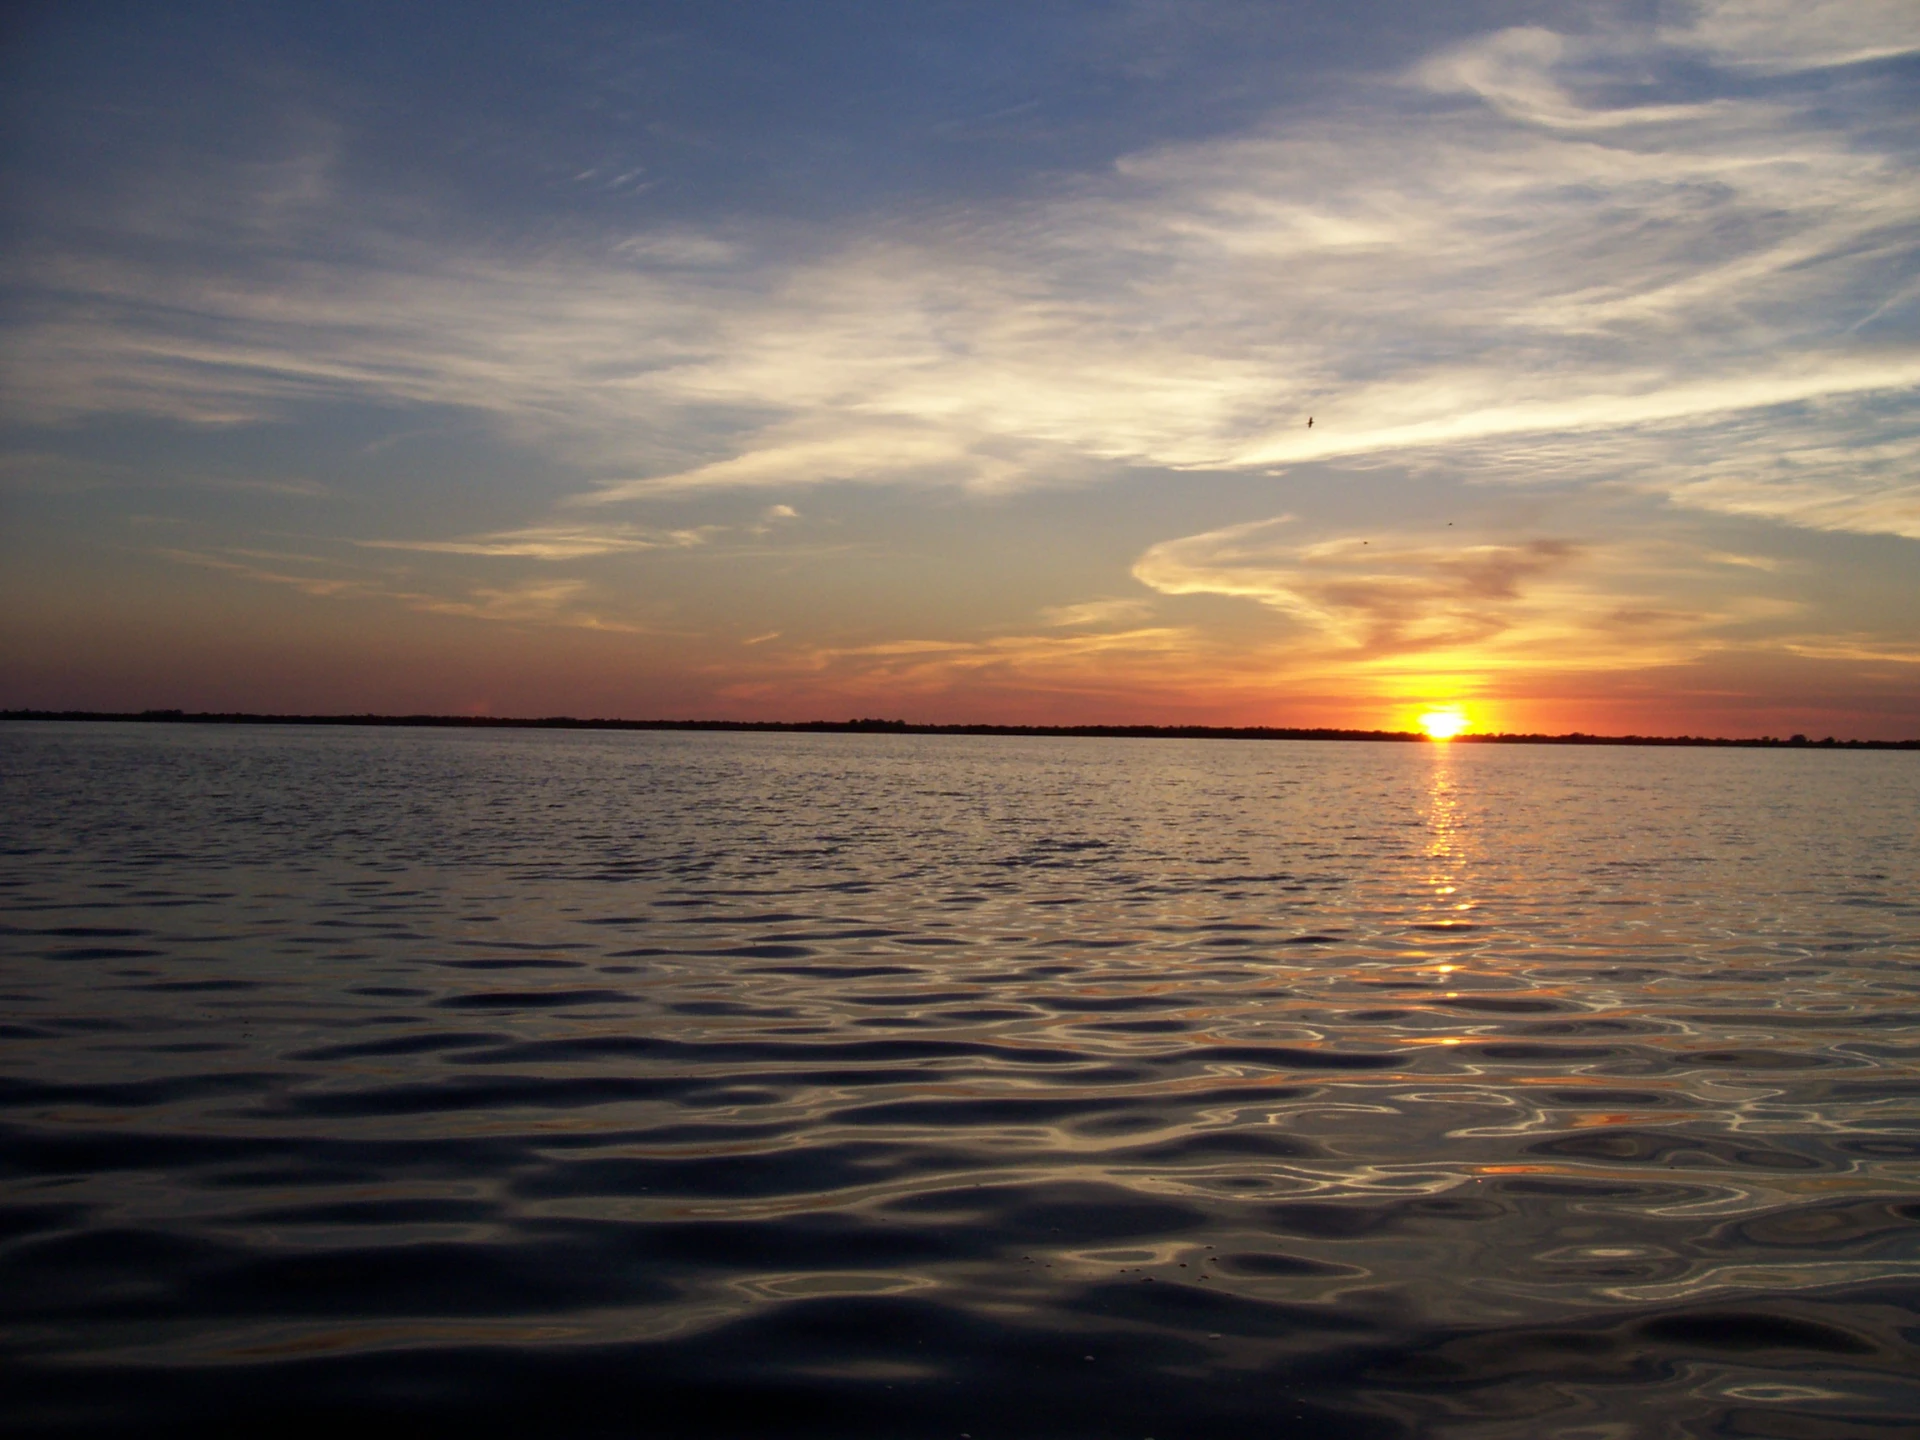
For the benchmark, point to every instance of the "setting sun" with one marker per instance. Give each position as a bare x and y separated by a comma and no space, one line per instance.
1443,724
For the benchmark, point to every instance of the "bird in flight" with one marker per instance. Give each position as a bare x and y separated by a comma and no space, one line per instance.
1309,422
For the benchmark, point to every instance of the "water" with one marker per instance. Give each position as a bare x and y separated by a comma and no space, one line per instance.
833,1085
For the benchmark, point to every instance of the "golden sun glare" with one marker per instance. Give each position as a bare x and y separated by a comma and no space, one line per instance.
1443,724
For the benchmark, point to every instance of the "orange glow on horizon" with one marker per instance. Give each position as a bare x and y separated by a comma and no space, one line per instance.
1443,723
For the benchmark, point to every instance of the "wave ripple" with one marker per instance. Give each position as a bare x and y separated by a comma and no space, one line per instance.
692,1084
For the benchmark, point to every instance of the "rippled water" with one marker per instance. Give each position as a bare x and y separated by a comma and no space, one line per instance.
694,1084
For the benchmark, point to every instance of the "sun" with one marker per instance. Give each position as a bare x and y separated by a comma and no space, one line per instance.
1444,723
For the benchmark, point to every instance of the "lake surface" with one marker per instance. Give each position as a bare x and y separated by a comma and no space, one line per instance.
658,1084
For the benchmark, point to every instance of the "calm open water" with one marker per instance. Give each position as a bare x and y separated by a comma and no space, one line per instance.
544,1083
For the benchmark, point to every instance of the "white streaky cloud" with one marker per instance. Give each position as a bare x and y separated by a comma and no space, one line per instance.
291,489
773,517
1846,462
1513,70
547,603
1089,663
1096,613
1811,505
1475,258
1486,415
824,450
554,603
1426,603
546,347
948,655
557,542
319,586
1790,35
682,250
1870,649
1373,595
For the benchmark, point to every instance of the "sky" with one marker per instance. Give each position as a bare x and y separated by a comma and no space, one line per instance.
954,362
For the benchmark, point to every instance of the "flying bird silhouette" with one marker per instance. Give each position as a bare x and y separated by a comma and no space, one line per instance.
1309,422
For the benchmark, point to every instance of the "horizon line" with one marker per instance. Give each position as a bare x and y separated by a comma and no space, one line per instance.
906,727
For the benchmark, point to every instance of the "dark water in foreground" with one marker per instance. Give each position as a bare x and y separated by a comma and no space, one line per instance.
733,1085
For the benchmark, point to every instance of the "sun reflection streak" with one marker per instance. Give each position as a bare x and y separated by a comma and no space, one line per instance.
1443,820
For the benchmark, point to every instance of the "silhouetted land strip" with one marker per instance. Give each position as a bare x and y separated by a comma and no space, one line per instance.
903,727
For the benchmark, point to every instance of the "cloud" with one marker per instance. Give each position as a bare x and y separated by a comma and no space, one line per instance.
1111,662
1838,462
1377,595
289,488
682,250
1783,36
772,518
548,603
819,450
1513,72
555,542
554,603
1097,613
1871,649
1532,257
1417,603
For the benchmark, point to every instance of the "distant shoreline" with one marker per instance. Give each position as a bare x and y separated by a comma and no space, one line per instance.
902,727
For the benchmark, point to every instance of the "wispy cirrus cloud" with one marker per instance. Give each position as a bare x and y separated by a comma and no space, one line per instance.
1871,649
1109,662
1375,596
1438,602
560,602
1790,35
1098,613
1550,250
559,542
